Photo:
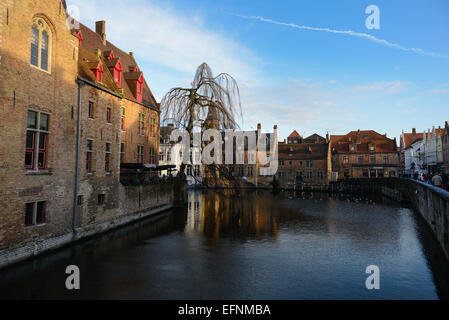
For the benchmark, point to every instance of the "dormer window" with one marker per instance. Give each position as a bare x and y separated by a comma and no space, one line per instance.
79,36
139,88
372,147
98,72
110,55
115,66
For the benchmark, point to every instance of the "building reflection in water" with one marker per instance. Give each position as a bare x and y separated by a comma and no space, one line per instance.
244,215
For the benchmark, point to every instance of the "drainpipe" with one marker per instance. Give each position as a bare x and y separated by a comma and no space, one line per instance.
77,159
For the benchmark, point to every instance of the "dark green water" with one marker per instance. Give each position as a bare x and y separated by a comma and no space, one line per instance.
249,246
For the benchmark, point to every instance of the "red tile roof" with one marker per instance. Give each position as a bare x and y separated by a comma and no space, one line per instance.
294,134
362,140
408,138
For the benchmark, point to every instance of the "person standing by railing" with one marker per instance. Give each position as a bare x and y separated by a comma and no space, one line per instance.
437,181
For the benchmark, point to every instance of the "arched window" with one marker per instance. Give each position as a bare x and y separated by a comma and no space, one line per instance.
41,44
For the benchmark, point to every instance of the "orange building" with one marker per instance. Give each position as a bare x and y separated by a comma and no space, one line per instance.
364,154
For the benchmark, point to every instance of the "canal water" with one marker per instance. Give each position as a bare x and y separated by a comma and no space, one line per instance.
249,245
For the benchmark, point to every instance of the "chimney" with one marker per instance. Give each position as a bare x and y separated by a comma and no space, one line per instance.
131,54
259,126
98,52
100,29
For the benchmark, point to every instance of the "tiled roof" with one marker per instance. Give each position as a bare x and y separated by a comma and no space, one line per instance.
88,61
362,140
408,138
294,134
93,41
303,151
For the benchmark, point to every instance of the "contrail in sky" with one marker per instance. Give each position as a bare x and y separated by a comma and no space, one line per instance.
350,33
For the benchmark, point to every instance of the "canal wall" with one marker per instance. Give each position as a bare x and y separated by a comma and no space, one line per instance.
430,202
433,205
134,202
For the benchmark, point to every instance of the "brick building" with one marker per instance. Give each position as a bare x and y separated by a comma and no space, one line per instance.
304,162
46,72
364,154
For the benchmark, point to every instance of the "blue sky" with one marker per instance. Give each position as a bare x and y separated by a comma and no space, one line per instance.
311,81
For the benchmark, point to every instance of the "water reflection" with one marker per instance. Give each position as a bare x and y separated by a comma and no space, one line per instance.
230,214
249,245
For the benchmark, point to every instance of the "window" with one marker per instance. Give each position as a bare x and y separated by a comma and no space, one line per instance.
122,152
122,123
161,156
108,115
90,111
281,174
309,164
107,159
372,159
345,159
36,148
320,175
141,123
241,171
385,159
98,72
250,171
196,172
372,148
89,156
309,175
101,199
365,173
360,159
281,162
139,89
152,156
189,170
80,200
40,45
139,154
153,126
35,213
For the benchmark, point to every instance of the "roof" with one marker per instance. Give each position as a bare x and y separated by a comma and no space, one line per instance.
314,138
362,139
294,134
303,151
93,41
88,61
409,139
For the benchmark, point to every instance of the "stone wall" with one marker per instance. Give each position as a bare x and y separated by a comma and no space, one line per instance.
433,204
134,203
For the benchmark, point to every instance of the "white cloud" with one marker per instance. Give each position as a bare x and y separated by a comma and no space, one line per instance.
350,33
160,35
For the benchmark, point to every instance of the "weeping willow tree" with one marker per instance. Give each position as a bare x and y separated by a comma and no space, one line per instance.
209,96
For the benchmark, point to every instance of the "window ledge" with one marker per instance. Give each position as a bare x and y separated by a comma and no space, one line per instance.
39,173
36,226
90,174
40,69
